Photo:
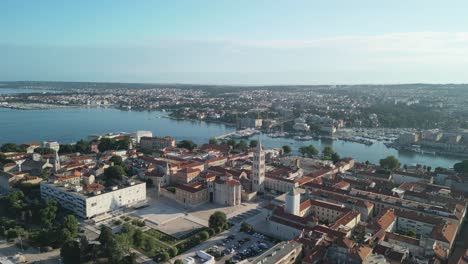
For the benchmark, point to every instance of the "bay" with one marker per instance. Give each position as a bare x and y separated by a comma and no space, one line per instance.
71,124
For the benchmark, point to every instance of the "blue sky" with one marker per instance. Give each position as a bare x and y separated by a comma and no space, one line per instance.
235,42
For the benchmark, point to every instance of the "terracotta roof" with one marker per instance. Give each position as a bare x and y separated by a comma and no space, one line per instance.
341,185
345,219
440,251
304,205
444,232
189,188
345,243
384,220
303,180
36,144
66,177
93,187
328,205
361,253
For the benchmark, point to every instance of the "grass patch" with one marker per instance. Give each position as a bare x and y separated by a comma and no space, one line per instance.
152,246
162,236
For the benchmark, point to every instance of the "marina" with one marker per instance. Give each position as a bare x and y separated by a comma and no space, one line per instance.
72,124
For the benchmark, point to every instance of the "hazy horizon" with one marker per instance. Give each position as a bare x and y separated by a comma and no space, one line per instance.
235,43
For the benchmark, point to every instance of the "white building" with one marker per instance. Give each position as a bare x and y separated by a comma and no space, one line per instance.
227,191
52,145
293,202
139,134
258,169
93,200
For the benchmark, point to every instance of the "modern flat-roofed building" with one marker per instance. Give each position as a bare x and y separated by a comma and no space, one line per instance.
94,199
286,252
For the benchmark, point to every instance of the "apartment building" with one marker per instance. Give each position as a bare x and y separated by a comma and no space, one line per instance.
94,199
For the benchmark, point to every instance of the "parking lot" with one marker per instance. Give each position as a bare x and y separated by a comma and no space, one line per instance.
240,246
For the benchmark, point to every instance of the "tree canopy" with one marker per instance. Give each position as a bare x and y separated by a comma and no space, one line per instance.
461,167
117,160
327,152
253,143
114,173
11,147
70,252
308,151
286,149
390,163
187,144
217,220
112,144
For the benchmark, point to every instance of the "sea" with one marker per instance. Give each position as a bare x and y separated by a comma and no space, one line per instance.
68,125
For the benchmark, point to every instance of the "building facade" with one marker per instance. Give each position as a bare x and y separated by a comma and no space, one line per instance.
94,199
227,191
258,169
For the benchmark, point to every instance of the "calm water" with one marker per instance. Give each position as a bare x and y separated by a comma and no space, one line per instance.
71,124
19,91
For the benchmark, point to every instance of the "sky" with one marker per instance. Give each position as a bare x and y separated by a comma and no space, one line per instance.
235,42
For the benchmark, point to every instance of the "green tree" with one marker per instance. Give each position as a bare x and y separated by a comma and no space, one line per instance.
308,151
246,227
138,238
4,160
327,152
82,146
217,220
411,233
213,141
253,143
178,261
163,257
461,167
335,157
242,145
67,148
71,224
114,251
114,173
173,251
65,235
231,142
117,160
287,149
124,243
44,151
204,235
106,236
11,147
84,245
187,144
390,163
48,213
127,229
70,252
